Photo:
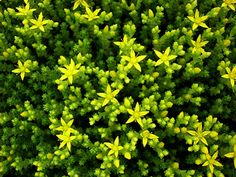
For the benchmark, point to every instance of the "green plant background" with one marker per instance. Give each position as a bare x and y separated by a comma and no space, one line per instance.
191,90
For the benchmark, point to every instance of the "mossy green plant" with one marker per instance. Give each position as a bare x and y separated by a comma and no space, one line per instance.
117,88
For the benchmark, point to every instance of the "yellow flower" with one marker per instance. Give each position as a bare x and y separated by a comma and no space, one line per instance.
211,160
165,57
147,135
232,155
125,44
199,134
229,3
198,45
197,20
66,140
26,10
115,148
231,75
133,60
109,95
22,68
136,115
39,23
69,71
66,127
78,2
91,15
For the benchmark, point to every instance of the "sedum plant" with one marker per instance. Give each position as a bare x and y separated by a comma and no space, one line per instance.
117,88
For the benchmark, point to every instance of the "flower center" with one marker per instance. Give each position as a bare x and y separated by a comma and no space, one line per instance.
198,21
232,75
164,57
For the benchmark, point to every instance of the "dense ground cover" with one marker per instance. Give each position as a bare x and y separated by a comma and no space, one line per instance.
117,88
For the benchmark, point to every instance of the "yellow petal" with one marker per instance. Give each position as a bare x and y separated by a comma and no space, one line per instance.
63,77
211,168
131,119
110,152
137,107
203,18
108,90
167,52
70,122
171,57
137,66
167,63
145,142
231,6
42,28
22,75
116,142
139,120
69,146
105,102
191,132
218,164
191,18
16,71
225,76
195,26
143,113
76,4
159,54
40,18
140,58
114,93
232,82
62,144
158,62
204,141
205,164
130,111
132,54
70,78
130,65
63,123
203,25
102,95
109,145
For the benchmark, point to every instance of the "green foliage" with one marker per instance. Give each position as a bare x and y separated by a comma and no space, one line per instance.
117,88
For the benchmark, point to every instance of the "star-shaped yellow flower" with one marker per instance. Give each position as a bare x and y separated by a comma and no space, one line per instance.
69,71
197,20
39,23
197,45
147,135
78,2
125,44
199,135
91,15
65,127
231,75
109,95
229,3
136,115
115,148
22,68
66,140
232,155
134,60
25,10
211,160
164,57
